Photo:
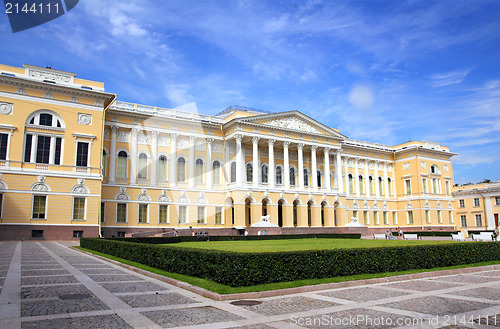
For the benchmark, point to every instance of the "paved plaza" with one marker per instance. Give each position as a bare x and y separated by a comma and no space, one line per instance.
48,285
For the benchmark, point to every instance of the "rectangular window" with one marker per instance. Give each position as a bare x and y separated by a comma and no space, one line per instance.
121,212
3,146
424,184
408,186
461,203
355,214
450,216
82,154
78,208
394,218
57,154
463,220
367,219
143,167
78,234
201,215
497,200
375,217
476,202
103,212
163,215
428,216
27,148
39,202
218,215
386,218
448,187
440,217
121,234
410,217
143,213
479,220
435,186
182,214
43,149
37,233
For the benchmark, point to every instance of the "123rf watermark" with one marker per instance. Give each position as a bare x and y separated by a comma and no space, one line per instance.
362,320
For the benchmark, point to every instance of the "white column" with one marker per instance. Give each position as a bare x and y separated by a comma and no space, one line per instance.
133,157
367,181
34,143
272,169
490,220
191,162
154,157
112,155
300,146
356,179
386,181
255,161
314,168
326,169
52,151
239,160
340,185
209,167
346,175
286,164
377,185
227,165
173,159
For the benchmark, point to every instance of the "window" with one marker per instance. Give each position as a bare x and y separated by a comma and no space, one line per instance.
4,138
37,233
479,220
249,172
375,218
440,217
103,163
476,202
381,185
450,217
292,176
461,203
389,184
463,220
143,213
201,215
386,218
103,212
367,219
448,188
355,214
436,186
121,212
306,177
361,185
122,164
82,154
424,185
233,172
1,204
198,171
182,214
497,200
181,170
216,172
143,166
428,216
162,168
279,176
372,185
78,234
394,218
39,206
435,169
408,186
410,217
218,215
163,214
78,208
318,178
45,119
264,173
351,184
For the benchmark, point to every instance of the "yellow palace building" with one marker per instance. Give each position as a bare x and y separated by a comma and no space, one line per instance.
76,162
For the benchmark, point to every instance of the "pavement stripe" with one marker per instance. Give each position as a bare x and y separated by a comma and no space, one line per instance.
10,297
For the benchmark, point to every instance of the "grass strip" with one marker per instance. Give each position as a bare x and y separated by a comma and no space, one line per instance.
224,289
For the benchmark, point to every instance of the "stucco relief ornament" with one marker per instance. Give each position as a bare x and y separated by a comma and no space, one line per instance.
445,167
143,196
183,198
2,186
6,108
144,138
98,103
422,164
48,96
42,187
73,99
122,195
84,119
202,199
163,196
406,166
292,123
21,91
80,189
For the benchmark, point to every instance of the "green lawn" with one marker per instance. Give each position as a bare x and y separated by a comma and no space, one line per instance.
301,244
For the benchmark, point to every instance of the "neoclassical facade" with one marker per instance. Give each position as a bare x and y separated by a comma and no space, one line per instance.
74,161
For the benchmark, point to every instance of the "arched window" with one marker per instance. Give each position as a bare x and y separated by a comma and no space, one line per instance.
264,173
45,118
292,176
233,172
351,184
104,162
122,164
318,175
216,172
361,185
389,183
162,168
143,166
279,176
435,169
306,177
181,170
372,185
249,172
199,171
381,185
46,147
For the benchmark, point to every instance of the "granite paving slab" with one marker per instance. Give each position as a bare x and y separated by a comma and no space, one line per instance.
422,285
44,272
190,316
48,280
486,293
437,305
466,279
488,273
114,277
101,271
142,286
59,306
88,322
156,300
364,294
493,320
53,291
288,305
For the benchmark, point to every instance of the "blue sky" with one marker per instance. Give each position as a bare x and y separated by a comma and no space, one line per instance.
379,71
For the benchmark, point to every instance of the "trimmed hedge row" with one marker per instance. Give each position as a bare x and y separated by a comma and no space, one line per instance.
431,233
247,269
175,239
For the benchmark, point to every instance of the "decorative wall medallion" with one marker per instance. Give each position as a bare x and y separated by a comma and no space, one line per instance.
445,167
143,196
73,99
164,141
48,96
21,91
200,145
98,103
6,108
183,198
422,164
406,166
85,119
122,195
143,138
182,143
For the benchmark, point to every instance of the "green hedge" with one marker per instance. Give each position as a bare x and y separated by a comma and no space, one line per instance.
175,239
247,269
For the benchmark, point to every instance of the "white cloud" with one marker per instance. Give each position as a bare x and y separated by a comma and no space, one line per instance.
449,78
178,94
361,96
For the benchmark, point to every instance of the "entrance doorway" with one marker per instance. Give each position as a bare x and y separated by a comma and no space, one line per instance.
295,204
323,205
248,212
309,213
280,213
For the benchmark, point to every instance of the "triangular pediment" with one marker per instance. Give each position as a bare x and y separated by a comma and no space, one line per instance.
293,121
